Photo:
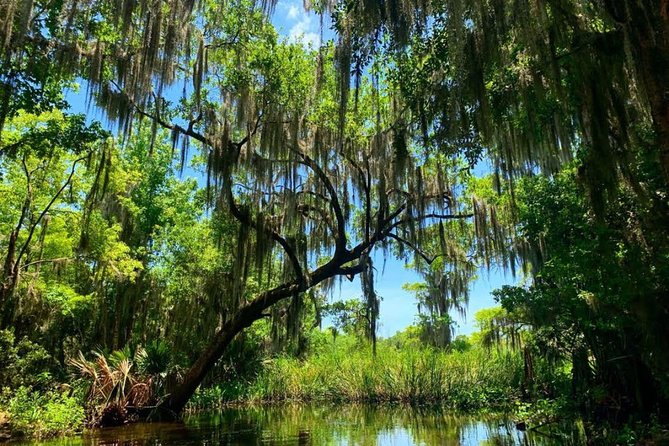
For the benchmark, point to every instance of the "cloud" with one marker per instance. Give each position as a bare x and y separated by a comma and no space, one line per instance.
305,31
293,11
302,26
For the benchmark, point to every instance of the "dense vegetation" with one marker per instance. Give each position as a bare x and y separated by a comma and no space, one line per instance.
191,241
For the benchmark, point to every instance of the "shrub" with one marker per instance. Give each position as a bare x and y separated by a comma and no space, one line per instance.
43,414
114,387
23,363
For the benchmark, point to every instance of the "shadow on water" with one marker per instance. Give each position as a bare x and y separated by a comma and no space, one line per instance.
324,425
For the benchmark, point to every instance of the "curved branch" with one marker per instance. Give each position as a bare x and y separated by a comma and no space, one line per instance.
417,218
415,248
340,245
189,131
39,262
46,209
315,194
165,124
380,235
446,196
349,271
244,218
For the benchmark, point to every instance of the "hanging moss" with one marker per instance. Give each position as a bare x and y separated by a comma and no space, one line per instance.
372,300
517,77
292,181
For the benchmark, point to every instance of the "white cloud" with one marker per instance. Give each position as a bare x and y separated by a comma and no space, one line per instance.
293,11
305,30
302,26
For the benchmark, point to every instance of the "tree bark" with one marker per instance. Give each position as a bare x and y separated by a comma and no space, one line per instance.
12,264
8,282
244,317
653,67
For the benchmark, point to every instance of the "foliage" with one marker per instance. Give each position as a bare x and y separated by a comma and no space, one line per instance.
114,386
347,317
435,324
527,83
594,293
43,414
474,379
497,327
23,363
307,177
461,343
314,184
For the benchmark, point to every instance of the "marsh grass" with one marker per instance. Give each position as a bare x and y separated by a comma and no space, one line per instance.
472,380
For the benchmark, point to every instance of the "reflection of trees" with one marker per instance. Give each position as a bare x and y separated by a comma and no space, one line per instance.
362,425
352,425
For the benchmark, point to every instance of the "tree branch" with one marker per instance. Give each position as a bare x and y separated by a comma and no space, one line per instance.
349,271
46,209
417,250
428,216
37,262
340,245
165,124
244,218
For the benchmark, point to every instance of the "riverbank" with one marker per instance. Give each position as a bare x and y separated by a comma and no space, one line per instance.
36,414
343,371
471,380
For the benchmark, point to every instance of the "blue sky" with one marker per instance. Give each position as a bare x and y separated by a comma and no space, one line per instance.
398,307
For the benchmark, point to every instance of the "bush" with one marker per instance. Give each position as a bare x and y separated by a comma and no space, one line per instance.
43,414
461,344
114,386
23,363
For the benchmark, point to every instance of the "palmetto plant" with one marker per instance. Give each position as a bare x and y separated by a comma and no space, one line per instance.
115,386
155,360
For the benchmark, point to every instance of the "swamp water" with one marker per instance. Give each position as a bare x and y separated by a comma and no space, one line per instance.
322,425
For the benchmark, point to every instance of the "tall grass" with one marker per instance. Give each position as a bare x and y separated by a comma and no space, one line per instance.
346,372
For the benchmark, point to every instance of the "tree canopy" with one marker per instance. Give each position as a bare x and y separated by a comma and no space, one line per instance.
316,157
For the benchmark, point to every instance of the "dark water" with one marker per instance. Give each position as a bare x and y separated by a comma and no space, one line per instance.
324,425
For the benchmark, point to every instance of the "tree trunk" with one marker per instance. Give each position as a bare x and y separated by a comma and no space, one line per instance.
244,317
654,70
248,314
6,304
8,285
528,372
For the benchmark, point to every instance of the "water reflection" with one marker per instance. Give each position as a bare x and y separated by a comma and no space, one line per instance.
348,425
